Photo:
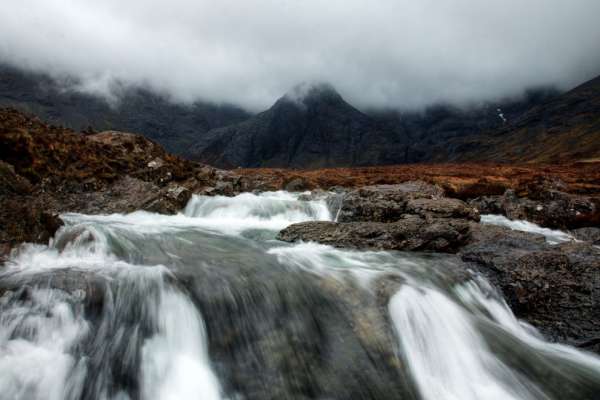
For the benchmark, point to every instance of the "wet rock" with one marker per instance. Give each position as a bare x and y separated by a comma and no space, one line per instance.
555,288
275,335
169,200
410,232
550,208
87,286
591,235
24,219
224,188
554,209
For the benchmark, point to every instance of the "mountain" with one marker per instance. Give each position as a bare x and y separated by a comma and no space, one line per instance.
175,126
312,126
565,128
435,131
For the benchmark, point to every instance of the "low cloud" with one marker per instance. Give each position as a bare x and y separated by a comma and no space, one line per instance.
386,53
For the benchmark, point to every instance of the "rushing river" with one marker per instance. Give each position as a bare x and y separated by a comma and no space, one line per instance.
208,305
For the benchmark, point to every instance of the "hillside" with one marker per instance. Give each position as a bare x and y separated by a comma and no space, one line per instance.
174,126
566,128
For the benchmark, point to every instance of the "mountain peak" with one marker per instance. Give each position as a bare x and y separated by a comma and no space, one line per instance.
306,93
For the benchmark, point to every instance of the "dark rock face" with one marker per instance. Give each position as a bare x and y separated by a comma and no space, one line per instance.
310,127
410,232
174,126
555,288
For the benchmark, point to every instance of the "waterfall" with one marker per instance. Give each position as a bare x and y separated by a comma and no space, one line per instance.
208,304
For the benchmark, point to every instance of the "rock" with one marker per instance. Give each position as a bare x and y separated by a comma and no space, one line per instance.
550,208
382,203
90,287
26,220
410,232
441,208
487,204
169,200
541,185
5,249
179,194
555,288
156,163
224,188
553,209
11,183
591,235
296,185
387,203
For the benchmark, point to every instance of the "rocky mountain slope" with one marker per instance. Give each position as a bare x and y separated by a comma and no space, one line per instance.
310,127
562,129
174,126
314,127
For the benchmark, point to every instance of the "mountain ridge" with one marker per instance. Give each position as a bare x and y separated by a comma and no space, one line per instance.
318,130
175,126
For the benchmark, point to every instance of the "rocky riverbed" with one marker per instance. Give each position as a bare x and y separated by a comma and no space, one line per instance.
553,286
46,171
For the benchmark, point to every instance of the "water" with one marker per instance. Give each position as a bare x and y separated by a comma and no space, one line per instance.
552,236
208,305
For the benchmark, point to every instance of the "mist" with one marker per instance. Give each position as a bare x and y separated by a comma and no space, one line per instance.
378,54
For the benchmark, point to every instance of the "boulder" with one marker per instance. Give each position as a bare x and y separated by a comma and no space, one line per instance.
549,208
409,232
556,288
441,208
383,203
169,200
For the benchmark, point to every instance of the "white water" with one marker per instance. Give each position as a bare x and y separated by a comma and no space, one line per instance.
552,236
445,353
271,210
36,339
175,364
449,356
51,348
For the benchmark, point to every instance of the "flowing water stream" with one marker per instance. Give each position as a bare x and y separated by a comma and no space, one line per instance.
208,305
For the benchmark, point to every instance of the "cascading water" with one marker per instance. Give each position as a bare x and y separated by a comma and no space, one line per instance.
553,236
207,304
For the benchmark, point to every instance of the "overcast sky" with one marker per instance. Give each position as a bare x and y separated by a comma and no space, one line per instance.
402,53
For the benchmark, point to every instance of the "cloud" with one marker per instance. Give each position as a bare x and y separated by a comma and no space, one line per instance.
377,53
